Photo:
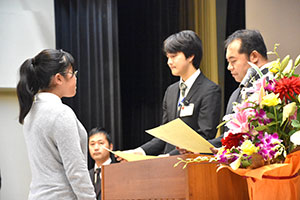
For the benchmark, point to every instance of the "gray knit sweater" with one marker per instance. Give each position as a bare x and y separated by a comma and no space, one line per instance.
57,150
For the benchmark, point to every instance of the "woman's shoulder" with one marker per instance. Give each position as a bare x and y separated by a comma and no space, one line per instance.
65,110
57,110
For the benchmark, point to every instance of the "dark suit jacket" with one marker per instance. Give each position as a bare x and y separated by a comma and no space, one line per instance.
206,97
97,186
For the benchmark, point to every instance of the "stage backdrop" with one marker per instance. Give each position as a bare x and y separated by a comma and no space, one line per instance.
278,22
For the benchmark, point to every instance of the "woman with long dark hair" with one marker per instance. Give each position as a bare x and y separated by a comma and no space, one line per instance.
55,138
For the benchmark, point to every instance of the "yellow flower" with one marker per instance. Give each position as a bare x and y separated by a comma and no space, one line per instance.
288,110
248,148
275,66
299,98
270,100
222,149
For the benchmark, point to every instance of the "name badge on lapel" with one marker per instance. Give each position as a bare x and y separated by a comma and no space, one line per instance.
187,110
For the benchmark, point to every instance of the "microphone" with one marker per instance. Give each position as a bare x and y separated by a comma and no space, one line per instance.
250,73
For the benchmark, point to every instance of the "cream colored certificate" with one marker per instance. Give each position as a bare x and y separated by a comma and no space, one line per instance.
179,134
130,156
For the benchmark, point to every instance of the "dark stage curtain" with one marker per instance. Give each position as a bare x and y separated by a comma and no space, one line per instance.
145,75
235,20
89,31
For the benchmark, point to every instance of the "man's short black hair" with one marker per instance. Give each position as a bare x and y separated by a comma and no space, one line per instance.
101,131
188,43
250,40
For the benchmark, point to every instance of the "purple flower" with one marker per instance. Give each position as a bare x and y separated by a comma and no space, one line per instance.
222,157
271,86
261,116
294,116
268,145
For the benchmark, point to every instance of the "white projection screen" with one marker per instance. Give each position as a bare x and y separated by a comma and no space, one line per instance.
26,27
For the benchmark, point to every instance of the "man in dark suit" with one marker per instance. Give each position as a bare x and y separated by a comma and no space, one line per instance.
243,46
99,137
195,99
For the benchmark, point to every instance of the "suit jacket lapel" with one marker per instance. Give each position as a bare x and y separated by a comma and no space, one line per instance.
173,99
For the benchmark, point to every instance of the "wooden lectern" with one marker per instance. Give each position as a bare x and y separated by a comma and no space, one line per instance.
158,179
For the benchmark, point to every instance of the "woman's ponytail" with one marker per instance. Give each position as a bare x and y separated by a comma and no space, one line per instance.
27,87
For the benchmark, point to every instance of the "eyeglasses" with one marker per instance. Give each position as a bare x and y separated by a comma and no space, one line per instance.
73,73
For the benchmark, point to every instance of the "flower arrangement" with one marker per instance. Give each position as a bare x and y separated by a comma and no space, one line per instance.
262,143
265,126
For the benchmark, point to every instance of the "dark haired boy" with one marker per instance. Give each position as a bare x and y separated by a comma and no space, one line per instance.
194,98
